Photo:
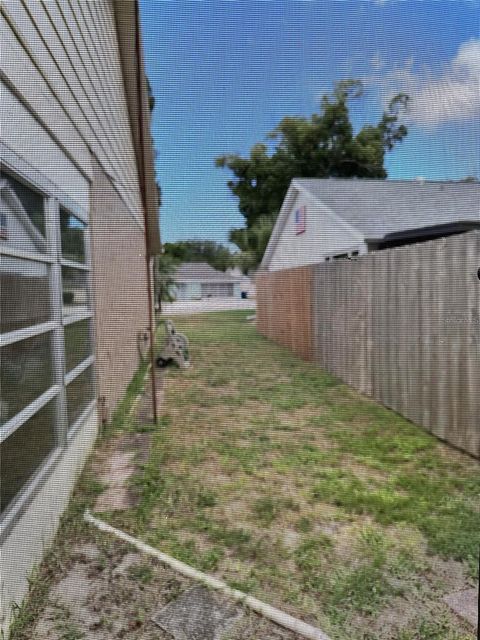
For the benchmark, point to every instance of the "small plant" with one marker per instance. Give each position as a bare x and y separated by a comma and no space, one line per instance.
266,510
304,524
309,558
206,498
141,572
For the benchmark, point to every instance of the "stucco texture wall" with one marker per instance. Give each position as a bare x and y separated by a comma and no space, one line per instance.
119,290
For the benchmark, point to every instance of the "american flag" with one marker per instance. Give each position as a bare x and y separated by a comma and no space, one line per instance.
300,220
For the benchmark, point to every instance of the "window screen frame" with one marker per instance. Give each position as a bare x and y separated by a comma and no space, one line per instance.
54,200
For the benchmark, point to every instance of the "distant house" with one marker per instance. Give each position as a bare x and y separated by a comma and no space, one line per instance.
197,280
328,219
247,282
78,231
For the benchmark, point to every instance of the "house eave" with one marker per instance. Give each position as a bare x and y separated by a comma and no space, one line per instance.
127,26
440,229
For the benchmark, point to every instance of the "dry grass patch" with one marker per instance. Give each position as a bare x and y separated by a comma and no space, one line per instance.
270,474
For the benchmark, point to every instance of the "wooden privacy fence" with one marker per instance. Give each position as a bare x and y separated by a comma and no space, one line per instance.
284,308
401,325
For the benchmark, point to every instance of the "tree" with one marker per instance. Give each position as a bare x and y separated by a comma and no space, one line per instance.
215,254
321,146
252,242
151,97
164,270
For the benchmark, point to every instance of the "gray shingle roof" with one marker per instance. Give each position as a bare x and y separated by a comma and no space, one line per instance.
201,271
380,207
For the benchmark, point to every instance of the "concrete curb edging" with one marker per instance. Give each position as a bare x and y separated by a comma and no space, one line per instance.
275,615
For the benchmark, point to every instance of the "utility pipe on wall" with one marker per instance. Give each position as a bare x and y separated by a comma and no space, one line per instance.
143,189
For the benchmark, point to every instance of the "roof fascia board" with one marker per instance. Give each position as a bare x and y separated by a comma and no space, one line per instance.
279,226
418,232
126,26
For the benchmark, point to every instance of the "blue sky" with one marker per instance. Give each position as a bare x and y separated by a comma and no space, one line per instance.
224,72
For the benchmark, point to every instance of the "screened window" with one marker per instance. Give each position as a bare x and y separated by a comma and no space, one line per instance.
22,216
24,451
46,362
72,232
76,317
25,298
74,290
26,373
80,393
78,343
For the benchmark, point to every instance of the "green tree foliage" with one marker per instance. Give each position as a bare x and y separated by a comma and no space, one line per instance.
164,269
252,242
324,145
151,97
215,254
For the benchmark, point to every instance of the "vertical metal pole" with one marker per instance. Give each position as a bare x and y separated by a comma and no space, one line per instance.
143,189
87,239
54,250
478,580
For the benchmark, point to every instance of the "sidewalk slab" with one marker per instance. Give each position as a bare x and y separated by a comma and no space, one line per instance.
198,615
465,605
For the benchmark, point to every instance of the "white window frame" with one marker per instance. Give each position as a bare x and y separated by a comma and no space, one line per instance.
53,201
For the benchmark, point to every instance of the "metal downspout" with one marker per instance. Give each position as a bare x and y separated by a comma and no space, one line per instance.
143,189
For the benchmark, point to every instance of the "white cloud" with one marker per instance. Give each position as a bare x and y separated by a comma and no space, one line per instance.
452,94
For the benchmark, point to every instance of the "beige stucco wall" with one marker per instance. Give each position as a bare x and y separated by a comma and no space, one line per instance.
119,289
33,531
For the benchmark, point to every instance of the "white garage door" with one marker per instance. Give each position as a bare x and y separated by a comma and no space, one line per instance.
217,290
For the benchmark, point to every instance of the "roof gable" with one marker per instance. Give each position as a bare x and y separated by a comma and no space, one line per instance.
378,208
375,209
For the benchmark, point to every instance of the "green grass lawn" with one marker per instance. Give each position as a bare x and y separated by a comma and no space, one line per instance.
289,485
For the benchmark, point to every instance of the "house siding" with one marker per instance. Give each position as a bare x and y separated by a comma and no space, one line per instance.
66,125
324,236
66,64
29,140
63,98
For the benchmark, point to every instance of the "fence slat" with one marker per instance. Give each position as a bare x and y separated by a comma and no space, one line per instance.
401,325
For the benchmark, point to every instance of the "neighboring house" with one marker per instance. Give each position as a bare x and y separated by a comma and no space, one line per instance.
247,284
78,229
197,280
396,323
325,219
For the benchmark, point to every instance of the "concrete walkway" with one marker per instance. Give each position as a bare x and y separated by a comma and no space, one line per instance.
187,307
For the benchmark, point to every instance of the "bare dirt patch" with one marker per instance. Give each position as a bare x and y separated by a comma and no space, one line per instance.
143,410
115,466
110,592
